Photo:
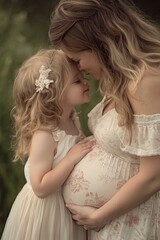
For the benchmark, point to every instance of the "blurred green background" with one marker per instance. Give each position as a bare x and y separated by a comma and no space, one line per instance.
24,30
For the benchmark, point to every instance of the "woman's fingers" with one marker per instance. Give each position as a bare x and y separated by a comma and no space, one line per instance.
73,208
82,216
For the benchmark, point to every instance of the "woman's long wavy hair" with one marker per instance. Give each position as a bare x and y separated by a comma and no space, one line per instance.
38,110
124,40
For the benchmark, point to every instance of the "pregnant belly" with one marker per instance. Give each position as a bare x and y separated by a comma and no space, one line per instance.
93,180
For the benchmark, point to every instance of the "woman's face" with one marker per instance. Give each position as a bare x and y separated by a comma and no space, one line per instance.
87,61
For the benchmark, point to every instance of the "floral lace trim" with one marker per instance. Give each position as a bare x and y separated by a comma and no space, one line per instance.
145,136
58,134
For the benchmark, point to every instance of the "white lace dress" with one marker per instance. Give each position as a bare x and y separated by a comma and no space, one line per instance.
102,172
32,218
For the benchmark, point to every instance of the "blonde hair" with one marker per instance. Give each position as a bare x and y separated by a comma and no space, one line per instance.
38,110
125,42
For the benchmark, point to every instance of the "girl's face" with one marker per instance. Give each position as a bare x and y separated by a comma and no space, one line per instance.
88,62
77,91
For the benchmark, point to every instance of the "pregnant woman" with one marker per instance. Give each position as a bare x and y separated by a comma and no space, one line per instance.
117,184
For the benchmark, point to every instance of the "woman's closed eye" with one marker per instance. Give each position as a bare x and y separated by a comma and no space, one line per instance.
76,61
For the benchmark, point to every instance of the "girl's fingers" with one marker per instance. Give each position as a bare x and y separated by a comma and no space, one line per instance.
86,140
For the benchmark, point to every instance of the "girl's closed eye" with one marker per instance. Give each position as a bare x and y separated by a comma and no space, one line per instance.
77,81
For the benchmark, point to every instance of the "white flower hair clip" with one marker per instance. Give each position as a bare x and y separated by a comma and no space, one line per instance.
43,81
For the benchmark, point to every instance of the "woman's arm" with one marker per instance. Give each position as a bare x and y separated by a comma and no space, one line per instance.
136,191
140,187
45,179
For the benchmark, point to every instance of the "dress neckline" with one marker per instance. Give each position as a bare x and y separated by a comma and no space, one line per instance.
105,106
76,122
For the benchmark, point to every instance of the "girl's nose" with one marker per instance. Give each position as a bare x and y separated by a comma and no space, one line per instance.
85,82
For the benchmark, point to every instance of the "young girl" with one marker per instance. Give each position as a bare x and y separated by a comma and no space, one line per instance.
47,88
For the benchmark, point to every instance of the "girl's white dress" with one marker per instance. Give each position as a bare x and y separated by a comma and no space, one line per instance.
111,163
32,218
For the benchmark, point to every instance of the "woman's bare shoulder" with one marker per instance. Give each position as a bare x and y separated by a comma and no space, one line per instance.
145,97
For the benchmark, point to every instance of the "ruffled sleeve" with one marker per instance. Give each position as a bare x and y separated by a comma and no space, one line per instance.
145,139
58,134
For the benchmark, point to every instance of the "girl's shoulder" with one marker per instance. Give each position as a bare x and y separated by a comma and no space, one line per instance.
42,141
42,135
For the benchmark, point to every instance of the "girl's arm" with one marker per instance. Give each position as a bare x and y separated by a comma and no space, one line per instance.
44,179
140,187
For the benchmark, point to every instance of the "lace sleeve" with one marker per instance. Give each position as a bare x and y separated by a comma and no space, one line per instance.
145,140
58,134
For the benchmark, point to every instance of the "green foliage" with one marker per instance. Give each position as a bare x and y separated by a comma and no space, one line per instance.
85,109
18,41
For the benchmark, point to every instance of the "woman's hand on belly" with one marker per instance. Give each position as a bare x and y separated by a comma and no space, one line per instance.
85,216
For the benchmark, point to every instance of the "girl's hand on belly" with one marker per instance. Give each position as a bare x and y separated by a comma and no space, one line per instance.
85,216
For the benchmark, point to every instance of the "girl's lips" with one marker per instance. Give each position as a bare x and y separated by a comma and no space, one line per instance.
87,90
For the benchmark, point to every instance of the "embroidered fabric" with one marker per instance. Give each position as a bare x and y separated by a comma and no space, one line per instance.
110,164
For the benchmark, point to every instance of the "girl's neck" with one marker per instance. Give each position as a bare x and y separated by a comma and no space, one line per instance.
67,123
66,115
